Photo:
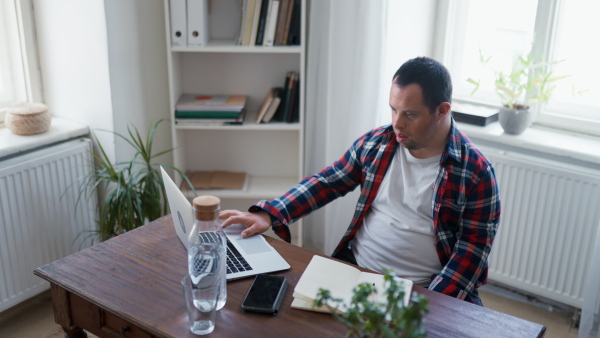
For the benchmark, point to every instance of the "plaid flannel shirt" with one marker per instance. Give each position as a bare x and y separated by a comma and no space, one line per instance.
465,204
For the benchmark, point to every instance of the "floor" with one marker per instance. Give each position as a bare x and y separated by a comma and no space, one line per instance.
34,318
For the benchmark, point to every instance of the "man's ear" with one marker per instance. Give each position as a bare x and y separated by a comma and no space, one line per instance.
443,110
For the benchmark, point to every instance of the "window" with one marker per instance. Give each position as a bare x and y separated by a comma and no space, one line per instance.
572,44
505,30
19,76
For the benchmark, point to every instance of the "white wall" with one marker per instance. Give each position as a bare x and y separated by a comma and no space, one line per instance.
73,55
103,63
410,33
137,58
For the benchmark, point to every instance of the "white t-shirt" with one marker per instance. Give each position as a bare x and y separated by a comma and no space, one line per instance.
398,229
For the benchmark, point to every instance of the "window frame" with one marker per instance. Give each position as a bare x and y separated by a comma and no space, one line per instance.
546,25
31,77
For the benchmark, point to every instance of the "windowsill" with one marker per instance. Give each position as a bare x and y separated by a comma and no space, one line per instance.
60,130
551,143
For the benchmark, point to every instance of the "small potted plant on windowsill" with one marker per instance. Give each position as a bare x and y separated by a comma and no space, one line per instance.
528,82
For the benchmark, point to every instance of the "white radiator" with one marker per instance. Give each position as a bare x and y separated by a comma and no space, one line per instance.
38,219
550,215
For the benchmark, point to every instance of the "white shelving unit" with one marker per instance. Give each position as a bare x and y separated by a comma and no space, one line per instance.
273,153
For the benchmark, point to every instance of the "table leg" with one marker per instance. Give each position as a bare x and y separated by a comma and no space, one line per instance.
62,313
74,332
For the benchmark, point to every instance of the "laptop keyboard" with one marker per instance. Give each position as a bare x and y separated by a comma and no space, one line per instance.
235,261
202,265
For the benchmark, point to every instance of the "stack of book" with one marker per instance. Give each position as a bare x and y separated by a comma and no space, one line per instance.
269,23
281,103
210,110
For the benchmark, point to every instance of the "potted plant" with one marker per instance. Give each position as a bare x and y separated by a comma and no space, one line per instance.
133,190
365,318
527,83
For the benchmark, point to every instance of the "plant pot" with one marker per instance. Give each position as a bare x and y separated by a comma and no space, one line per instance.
514,121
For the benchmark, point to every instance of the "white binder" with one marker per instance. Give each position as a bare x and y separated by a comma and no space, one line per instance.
197,23
269,39
178,23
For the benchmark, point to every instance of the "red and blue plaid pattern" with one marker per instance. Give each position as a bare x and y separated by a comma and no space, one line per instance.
466,203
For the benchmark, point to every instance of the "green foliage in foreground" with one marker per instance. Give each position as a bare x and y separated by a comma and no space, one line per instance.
365,318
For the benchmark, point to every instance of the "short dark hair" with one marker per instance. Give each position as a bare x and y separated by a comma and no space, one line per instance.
431,75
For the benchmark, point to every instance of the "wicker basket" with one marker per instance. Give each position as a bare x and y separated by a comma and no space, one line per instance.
28,118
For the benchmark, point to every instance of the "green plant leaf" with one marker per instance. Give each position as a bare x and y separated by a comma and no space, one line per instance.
525,83
364,318
133,191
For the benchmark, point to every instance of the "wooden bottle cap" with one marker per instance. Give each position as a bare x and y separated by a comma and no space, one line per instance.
206,207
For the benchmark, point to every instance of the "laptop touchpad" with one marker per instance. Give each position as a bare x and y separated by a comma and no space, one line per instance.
253,245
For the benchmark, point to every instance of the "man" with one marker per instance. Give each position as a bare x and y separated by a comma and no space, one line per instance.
429,206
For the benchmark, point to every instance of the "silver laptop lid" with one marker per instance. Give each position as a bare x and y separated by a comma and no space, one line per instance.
181,209
255,250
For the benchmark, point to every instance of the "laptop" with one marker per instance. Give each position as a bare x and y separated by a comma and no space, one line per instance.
245,256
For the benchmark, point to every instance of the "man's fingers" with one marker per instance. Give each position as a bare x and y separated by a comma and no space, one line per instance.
234,220
228,214
239,219
255,223
250,231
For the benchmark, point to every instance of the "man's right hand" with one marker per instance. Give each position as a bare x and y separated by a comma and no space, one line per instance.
255,222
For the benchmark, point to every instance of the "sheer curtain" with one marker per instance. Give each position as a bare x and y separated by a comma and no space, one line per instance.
354,48
344,66
590,317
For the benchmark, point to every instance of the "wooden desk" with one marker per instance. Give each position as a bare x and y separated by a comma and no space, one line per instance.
130,285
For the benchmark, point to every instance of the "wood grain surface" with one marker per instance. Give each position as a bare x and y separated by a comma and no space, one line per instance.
130,284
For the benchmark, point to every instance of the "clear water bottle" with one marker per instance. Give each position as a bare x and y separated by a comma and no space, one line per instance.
208,230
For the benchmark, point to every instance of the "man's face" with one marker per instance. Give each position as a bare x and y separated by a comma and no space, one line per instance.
416,128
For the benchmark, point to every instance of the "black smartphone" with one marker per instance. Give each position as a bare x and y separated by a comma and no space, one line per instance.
265,294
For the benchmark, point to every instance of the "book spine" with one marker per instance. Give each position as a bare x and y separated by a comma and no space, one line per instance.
264,9
242,23
271,24
248,22
200,108
255,22
294,33
296,101
288,21
281,16
291,97
280,113
273,107
206,115
265,106
192,123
